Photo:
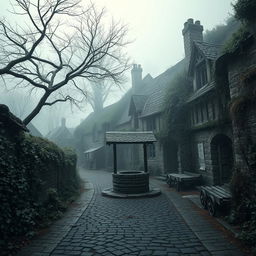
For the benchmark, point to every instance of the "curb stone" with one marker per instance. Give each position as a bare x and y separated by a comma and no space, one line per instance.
212,239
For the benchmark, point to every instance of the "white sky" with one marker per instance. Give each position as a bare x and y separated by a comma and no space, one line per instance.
155,26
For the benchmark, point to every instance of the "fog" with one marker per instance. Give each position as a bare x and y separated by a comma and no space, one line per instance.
156,43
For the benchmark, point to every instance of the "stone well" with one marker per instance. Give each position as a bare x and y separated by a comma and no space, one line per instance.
130,182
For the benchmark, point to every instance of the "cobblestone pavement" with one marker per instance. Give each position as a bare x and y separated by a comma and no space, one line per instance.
163,225
149,226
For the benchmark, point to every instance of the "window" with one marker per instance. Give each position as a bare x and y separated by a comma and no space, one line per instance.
207,111
192,117
201,75
201,160
197,117
202,113
213,111
151,151
151,124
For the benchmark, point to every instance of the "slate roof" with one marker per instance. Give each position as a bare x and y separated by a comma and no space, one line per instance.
148,78
124,117
61,136
160,85
210,51
130,137
154,103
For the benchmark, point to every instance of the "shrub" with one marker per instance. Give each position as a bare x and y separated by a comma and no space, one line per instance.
234,42
245,10
27,198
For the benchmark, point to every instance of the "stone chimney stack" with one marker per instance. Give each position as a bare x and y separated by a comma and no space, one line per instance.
191,32
63,122
136,73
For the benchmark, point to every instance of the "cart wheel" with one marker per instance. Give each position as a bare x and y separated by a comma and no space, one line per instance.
211,207
203,200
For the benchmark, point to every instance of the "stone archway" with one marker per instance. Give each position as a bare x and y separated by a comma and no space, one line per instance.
222,158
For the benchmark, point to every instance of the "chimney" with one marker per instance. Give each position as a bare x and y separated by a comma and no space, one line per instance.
136,76
191,32
63,122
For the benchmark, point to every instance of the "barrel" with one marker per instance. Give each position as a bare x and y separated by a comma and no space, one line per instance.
130,182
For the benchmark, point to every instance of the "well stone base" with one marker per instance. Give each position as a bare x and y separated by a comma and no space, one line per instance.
151,193
130,182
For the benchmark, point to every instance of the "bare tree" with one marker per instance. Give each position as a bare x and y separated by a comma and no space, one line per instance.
53,58
19,102
98,93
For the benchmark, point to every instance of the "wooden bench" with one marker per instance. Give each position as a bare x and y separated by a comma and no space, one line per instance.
181,180
215,198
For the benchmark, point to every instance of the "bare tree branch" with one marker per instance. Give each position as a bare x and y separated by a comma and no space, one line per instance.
53,56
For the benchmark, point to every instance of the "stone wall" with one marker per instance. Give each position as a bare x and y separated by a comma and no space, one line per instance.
205,136
245,132
43,164
155,164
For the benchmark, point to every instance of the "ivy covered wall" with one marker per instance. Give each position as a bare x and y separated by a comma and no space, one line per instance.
36,179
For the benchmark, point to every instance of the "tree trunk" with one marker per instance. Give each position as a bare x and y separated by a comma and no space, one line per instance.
37,109
97,98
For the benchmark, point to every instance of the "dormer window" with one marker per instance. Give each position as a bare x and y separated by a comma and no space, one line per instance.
201,74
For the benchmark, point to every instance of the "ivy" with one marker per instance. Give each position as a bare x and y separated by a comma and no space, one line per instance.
245,10
174,105
236,40
22,205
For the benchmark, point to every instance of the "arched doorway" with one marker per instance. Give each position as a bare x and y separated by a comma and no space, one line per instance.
170,150
222,159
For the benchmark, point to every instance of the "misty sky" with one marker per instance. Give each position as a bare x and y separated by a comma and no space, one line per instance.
155,26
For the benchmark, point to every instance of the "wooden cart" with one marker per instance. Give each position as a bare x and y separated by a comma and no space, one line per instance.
216,199
182,180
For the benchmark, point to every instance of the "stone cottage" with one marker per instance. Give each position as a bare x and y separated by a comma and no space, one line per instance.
61,135
206,145
208,121
240,70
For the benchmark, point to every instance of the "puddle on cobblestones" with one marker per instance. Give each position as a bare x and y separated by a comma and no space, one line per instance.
190,196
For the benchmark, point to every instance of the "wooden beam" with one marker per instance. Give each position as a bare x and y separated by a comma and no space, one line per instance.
115,162
145,157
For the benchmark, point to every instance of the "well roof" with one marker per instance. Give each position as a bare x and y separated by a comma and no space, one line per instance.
129,137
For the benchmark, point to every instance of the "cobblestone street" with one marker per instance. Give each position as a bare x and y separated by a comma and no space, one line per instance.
148,226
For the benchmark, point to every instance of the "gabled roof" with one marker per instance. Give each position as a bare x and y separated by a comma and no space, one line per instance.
148,78
112,114
124,116
137,103
154,103
160,86
207,50
130,137
61,136
210,51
